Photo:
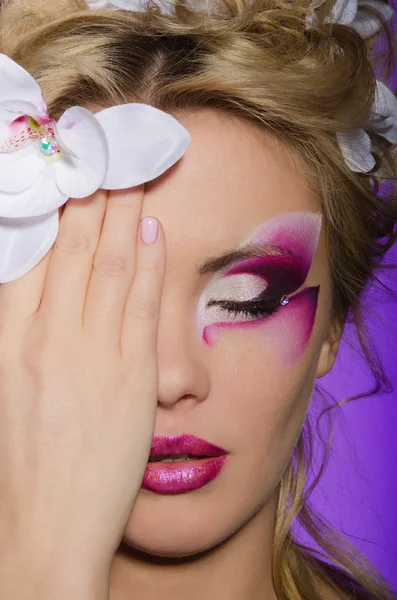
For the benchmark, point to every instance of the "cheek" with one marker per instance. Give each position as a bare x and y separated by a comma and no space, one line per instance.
262,408
287,332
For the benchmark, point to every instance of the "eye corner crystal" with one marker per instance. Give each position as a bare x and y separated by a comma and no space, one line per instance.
284,301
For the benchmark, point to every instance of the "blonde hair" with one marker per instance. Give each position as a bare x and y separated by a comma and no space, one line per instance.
262,64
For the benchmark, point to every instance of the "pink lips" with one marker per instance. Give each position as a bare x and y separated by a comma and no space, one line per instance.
184,444
185,475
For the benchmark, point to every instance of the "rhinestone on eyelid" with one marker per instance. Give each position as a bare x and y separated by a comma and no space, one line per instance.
284,301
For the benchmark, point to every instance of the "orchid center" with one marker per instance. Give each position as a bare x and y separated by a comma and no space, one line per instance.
25,130
47,143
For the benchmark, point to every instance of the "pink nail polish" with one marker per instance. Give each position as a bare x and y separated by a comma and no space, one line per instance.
149,230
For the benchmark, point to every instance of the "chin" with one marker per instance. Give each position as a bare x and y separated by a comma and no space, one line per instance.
150,549
170,537
171,526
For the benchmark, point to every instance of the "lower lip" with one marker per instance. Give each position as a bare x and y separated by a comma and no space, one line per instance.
183,476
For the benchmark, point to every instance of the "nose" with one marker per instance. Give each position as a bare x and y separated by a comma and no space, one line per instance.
183,374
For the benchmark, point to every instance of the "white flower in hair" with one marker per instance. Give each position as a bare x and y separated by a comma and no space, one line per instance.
356,144
134,5
166,6
117,4
355,14
345,12
43,162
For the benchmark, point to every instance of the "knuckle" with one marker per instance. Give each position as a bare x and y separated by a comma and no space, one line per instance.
123,201
38,355
149,266
109,265
40,350
71,242
141,309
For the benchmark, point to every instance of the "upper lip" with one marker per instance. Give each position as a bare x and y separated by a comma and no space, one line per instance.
184,444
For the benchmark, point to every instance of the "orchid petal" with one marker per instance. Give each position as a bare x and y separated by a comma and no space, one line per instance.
133,5
129,4
387,128
41,198
143,143
385,113
80,175
24,242
19,93
367,24
13,133
20,169
94,4
355,146
344,11
385,104
99,4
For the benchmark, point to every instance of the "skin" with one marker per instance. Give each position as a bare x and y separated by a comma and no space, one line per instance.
242,392
287,244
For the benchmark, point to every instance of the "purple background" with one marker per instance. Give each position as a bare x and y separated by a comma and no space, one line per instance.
358,492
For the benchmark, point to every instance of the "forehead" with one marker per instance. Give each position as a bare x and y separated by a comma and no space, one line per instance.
233,177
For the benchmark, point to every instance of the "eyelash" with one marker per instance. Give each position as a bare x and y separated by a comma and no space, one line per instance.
254,308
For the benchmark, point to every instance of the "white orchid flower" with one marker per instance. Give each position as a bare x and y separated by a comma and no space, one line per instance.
44,162
354,14
356,144
166,6
117,4
366,24
345,12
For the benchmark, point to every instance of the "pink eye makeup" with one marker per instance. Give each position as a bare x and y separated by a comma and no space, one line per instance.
257,288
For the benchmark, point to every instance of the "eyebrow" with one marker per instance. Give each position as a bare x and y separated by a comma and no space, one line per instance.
216,263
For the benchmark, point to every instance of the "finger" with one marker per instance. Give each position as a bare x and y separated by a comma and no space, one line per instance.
70,266
113,266
20,299
140,323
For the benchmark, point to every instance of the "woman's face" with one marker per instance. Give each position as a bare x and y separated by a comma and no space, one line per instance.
238,380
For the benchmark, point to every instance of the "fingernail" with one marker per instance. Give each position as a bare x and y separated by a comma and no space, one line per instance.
149,230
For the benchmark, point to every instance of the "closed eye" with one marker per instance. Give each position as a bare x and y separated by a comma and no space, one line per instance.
258,309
